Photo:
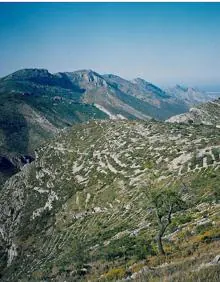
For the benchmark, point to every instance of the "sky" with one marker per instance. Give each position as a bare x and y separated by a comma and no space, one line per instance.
164,43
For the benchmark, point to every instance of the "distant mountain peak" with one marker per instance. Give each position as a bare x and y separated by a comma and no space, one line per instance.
86,77
140,80
191,95
181,87
28,73
116,78
147,86
187,88
88,71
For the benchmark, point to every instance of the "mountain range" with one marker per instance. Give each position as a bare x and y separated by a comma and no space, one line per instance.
36,104
192,96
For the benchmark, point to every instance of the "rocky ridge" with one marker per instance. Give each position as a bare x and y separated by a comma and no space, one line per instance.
207,113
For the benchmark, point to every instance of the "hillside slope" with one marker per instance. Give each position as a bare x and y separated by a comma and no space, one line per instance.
146,97
207,113
80,211
35,104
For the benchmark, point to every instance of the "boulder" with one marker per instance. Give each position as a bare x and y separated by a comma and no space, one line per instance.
216,259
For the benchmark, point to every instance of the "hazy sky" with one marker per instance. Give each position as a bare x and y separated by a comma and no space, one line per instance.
165,43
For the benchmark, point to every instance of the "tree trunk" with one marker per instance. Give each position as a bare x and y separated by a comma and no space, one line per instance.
159,243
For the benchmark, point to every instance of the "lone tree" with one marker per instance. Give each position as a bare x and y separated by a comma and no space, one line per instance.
164,203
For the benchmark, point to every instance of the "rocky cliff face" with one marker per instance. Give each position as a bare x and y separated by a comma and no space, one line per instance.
84,197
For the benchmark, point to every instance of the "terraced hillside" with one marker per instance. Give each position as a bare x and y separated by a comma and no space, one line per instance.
34,106
81,210
207,113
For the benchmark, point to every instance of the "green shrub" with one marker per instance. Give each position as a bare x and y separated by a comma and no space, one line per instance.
203,227
114,273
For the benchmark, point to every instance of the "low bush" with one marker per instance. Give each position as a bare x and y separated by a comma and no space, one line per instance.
114,273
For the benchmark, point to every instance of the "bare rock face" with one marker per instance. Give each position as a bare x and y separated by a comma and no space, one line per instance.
216,259
11,164
12,253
